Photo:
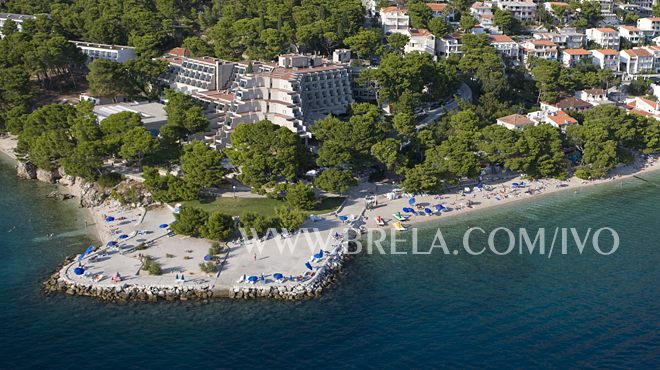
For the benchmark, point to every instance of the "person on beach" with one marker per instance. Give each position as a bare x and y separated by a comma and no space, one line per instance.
254,257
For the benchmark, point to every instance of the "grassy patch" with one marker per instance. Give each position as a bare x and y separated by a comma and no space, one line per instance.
264,206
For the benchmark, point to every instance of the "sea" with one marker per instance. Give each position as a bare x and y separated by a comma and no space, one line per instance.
423,311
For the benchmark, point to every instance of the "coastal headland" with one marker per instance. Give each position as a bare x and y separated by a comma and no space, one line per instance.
252,268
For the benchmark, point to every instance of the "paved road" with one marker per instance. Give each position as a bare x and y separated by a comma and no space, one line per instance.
433,115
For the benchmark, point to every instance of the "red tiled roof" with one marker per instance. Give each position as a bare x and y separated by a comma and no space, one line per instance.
516,119
607,51
542,42
606,30
640,112
576,52
393,9
500,38
437,7
572,102
179,52
637,53
561,118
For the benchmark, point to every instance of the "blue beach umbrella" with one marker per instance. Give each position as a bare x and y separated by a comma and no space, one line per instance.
428,210
123,236
86,252
319,254
111,243
79,271
411,201
277,275
439,207
109,219
253,278
308,265
163,226
408,210
343,218
207,258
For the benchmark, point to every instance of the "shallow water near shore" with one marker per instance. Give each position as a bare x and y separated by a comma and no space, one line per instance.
386,311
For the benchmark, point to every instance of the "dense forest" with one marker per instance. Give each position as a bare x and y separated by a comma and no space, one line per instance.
426,159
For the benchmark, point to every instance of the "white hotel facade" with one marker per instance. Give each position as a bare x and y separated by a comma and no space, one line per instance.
292,93
115,53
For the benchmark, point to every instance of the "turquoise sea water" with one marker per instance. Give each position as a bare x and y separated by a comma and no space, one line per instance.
579,311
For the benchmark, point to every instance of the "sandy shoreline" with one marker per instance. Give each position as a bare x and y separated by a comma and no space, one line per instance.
483,199
182,255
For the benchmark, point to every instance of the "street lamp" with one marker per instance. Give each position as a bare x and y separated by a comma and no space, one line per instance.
233,188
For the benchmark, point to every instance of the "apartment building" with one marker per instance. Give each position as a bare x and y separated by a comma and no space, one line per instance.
652,25
449,45
16,18
542,49
571,57
419,40
196,74
631,33
636,61
393,18
297,91
505,46
481,9
607,38
605,59
565,38
442,10
115,53
523,10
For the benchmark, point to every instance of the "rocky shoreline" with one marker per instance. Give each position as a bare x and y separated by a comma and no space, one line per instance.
124,293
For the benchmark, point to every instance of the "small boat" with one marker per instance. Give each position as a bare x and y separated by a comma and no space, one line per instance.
399,216
399,226
380,221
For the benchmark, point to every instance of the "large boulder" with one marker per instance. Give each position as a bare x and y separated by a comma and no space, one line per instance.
91,194
26,170
48,176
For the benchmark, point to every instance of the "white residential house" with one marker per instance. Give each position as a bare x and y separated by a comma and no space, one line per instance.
560,120
606,59
449,45
480,8
16,18
594,96
523,10
115,53
551,5
630,33
607,38
393,18
505,46
655,51
570,103
565,38
542,49
636,61
651,24
645,105
420,40
515,122
571,57
442,10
